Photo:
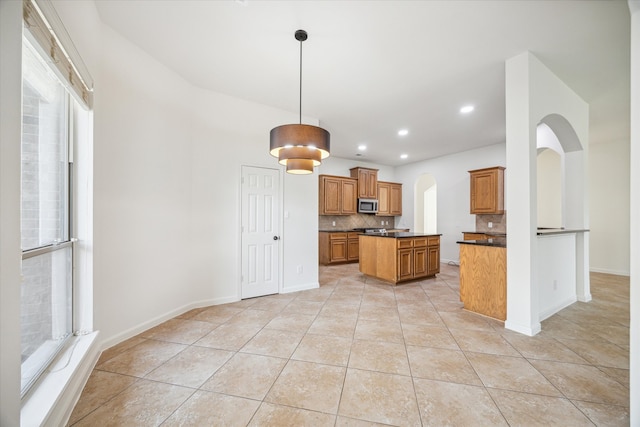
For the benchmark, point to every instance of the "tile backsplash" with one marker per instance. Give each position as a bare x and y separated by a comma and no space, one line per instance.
348,222
499,223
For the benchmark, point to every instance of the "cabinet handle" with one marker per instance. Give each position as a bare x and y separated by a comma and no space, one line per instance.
276,237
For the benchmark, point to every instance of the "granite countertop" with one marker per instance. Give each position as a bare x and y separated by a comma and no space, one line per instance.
496,242
399,234
549,231
488,233
351,230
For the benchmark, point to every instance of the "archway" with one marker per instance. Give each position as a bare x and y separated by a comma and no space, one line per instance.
550,178
426,204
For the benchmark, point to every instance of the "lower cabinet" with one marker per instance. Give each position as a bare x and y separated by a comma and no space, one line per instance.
418,257
399,259
338,247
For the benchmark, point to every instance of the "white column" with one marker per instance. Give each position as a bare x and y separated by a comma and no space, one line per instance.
522,298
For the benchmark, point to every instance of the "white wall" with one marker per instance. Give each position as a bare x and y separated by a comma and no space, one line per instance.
549,172
167,167
634,338
609,172
340,167
452,178
142,190
556,279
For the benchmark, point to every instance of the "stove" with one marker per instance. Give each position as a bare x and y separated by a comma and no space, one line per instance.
370,230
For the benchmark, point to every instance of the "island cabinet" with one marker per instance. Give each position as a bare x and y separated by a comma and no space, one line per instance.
389,198
475,236
398,257
338,247
338,195
483,277
487,190
367,182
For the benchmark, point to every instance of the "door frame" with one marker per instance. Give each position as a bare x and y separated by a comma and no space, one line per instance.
238,226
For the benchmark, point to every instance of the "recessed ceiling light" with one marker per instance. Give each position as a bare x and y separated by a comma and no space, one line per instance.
362,147
467,109
404,156
403,132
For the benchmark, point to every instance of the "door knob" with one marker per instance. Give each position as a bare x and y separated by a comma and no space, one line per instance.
276,237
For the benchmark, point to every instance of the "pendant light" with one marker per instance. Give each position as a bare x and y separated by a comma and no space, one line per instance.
299,147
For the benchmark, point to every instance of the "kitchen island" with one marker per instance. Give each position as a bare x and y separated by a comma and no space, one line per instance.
399,256
483,276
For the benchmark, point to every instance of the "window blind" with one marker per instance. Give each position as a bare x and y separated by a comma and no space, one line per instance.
45,28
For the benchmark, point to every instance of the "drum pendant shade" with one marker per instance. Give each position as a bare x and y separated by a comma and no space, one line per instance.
299,147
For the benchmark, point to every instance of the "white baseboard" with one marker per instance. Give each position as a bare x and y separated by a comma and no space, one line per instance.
529,331
303,287
132,332
609,271
556,308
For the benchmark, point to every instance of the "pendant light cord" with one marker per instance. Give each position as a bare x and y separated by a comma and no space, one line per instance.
300,108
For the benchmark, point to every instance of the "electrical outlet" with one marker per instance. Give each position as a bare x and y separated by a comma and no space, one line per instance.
386,223
555,285
299,269
490,225
381,222
333,223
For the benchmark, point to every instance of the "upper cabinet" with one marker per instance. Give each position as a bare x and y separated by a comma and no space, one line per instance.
367,182
487,190
389,198
338,195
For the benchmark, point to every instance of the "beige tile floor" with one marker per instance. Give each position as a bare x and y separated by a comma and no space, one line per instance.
356,352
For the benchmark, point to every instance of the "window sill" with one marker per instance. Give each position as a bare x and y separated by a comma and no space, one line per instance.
52,399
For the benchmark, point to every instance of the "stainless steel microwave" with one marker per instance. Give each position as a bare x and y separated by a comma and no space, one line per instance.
367,206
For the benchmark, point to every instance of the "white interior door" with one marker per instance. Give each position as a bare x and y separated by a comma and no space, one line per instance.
260,231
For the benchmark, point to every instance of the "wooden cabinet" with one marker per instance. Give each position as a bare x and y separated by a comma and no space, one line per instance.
338,195
487,190
338,247
353,246
389,198
474,236
433,256
483,280
399,259
367,182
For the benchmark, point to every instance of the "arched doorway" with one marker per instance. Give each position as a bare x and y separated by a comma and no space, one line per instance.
426,204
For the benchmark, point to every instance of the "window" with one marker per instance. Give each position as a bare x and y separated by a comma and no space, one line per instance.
47,249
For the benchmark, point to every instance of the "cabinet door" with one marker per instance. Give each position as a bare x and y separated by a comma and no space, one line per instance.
372,184
353,249
338,250
420,262
487,191
383,199
405,264
330,189
395,199
433,260
367,182
349,196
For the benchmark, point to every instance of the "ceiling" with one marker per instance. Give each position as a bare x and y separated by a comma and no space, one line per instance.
371,68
